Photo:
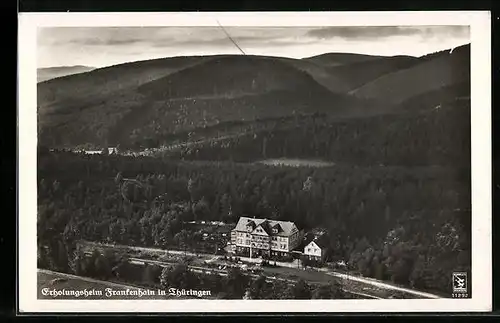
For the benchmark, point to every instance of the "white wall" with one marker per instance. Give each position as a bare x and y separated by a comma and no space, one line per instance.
280,244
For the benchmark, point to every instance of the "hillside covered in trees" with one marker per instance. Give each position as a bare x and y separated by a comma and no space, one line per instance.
436,136
409,225
394,197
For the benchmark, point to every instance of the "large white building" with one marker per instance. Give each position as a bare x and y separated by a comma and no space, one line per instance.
257,237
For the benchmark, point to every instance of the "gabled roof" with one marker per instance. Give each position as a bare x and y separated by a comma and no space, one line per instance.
321,241
286,226
278,227
264,228
251,224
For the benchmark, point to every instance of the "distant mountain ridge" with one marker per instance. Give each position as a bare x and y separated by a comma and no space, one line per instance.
337,59
157,99
48,73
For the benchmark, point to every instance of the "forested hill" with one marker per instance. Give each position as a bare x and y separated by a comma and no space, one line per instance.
435,136
407,225
109,105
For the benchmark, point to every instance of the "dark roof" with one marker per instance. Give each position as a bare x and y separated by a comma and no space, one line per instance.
278,227
251,223
321,241
266,226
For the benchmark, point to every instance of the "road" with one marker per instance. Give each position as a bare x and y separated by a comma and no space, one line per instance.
169,252
364,280
220,272
379,284
187,253
152,151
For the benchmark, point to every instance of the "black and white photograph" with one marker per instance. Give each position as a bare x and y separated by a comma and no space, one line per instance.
237,161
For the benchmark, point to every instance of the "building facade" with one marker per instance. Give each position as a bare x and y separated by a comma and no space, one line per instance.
258,237
314,250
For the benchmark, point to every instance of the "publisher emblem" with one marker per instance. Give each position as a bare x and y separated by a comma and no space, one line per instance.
460,282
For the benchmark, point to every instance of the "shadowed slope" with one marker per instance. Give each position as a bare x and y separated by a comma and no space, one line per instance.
433,72
357,74
156,98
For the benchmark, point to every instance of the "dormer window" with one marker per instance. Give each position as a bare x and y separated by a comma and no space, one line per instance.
250,225
276,228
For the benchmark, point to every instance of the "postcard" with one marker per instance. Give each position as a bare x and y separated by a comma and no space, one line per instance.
291,162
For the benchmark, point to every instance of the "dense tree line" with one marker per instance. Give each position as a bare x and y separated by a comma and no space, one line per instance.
408,225
439,136
236,285
147,102
166,119
155,135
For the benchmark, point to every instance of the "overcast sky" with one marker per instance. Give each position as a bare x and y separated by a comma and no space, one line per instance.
104,46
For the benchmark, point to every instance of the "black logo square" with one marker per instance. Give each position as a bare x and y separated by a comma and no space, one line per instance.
459,282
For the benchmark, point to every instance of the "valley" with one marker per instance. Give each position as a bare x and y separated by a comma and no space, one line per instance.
373,150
